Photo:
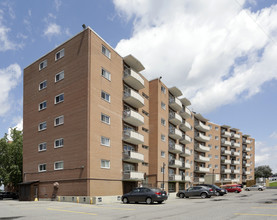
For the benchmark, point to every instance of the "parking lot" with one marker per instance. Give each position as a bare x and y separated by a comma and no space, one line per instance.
245,205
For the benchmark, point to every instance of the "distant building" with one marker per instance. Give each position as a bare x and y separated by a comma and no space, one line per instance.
95,126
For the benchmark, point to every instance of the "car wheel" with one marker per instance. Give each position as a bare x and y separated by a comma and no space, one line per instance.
260,189
160,202
203,195
148,200
182,195
247,189
217,193
125,200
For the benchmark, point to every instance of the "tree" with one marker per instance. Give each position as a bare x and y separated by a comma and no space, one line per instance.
11,159
263,171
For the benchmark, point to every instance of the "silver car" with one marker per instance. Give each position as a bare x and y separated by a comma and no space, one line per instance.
255,187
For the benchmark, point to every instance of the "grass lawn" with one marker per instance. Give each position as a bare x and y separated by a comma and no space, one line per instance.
273,184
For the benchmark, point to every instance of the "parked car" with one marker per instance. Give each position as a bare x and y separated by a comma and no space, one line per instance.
145,194
202,191
232,188
216,190
8,195
255,187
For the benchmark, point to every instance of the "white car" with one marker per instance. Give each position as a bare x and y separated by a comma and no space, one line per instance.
255,187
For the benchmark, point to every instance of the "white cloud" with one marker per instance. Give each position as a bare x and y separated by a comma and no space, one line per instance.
266,155
212,50
58,4
9,78
52,29
274,135
18,126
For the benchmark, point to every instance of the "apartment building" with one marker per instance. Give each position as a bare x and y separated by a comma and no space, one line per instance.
95,126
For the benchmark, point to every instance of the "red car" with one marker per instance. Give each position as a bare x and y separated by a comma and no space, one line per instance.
232,188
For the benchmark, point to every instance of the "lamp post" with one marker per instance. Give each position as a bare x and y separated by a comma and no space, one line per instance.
213,177
163,173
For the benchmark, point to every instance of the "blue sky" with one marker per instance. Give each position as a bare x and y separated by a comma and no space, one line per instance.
221,54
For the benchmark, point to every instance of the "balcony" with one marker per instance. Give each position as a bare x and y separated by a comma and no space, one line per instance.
199,179
175,148
225,143
186,179
236,171
185,113
235,180
134,63
185,139
235,162
226,133
246,141
133,98
247,164
175,133
174,178
133,176
236,136
201,126
133,79
201,137
133,157
201,170
247,172
226,171
185,126
234,153
132,117
226,152
226,179
200,158
185,166
234,144
175,163
225,161
247,157
175,91
201,148
175,103
185,152
247,149
133,137
175,118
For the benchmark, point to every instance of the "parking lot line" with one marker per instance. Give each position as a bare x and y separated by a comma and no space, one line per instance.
97,207
62,210
254,214
263,208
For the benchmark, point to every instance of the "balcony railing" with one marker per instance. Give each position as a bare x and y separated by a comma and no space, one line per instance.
175,133
201,137
185,113
226,133
132,175
133,79
133,98
185,166
175,103
247,165
236,171
247,157
175,163
247,149
186,178
234,144
185,139
246,141
185,152
175,118
199,179
185,126
201,127
201,148
226,152
200,158
201,169
133,137
225,143
236,136
235,162
133,157
132,117
226,171
174,177
235,153
225,161
175,148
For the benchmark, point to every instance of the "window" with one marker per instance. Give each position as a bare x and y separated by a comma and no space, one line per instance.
58,165
59,76
106,96
145,96
59,120
210,135
210,146
162,169
162,154
144,164
42,146
105,141
42,105
210,126
163,90
163,122
163,137
42,85
145,130
105,118
216,156
59,54
145,147
42,126
163,106
106,52
42,167
146,113
43,64
210,166
58,143
105,164
216,166
210,156
216,128
216,147
216,137
59,98
106,74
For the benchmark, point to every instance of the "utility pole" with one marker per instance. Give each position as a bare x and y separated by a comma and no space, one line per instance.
163,174
213,177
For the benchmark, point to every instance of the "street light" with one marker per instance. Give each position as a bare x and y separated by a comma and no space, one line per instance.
213,177
163,173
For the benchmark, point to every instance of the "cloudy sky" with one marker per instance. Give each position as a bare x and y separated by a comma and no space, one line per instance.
221,54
